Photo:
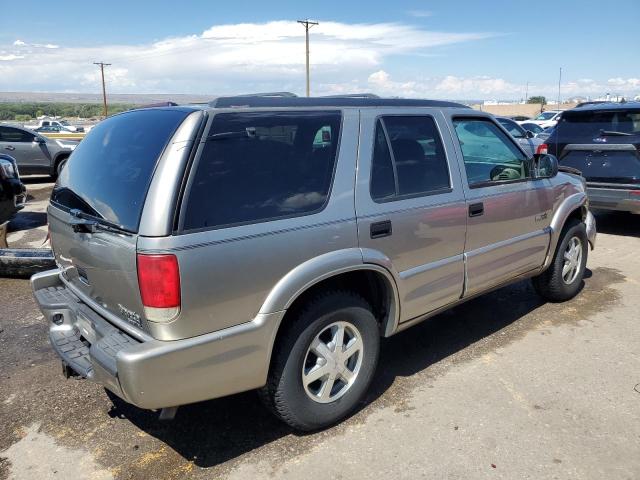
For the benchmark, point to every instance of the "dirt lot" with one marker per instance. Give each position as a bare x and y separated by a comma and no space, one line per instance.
502,387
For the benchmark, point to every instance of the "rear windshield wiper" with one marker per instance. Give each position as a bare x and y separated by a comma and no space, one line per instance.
248,132
85,223
613,133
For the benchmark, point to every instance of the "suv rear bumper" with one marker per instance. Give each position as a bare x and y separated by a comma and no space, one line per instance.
605,197
154,373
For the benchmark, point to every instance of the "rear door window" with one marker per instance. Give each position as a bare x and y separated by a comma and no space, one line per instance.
408,159
110,170
257,167
489,154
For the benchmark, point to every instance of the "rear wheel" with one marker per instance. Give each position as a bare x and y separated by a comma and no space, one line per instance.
324,362
562,280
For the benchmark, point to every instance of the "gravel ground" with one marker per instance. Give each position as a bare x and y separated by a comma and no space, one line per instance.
504,386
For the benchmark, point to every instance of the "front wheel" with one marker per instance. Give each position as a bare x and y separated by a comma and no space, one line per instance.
562,280
324,362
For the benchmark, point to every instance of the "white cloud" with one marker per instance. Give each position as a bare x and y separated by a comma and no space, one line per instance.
225,58
247,57
484,87
11,56
420,13
20,43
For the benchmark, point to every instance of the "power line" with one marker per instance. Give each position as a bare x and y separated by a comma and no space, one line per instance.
104,90
307,25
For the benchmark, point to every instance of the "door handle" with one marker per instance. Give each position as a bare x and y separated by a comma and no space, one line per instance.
10,148
381,229
476,209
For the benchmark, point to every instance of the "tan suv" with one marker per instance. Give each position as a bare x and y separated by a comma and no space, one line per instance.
269,243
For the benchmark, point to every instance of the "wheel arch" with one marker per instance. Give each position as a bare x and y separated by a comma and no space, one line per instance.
341,270
575,206
59,157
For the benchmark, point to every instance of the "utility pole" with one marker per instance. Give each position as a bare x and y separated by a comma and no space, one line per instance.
104,90
307,25
559,83
526,93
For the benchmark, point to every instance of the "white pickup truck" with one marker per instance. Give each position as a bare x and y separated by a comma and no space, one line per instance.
61,126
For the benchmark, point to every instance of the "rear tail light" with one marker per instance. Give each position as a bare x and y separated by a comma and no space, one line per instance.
159,281
542,149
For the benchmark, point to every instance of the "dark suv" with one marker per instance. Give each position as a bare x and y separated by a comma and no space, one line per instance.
603,142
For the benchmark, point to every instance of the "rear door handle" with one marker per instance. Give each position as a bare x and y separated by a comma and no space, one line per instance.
381,229
476,209
10,148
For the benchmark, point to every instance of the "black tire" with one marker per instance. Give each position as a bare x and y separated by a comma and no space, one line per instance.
285,395
550,284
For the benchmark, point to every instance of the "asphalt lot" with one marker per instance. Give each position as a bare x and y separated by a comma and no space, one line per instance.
504,386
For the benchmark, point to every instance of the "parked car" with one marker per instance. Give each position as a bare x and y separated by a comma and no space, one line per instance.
519,118
548,118
54,129
12,194
525,138
545,134
207,250
61,125
35,153
532,127
603,142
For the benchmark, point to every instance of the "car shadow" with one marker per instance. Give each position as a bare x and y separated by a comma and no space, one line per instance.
216,431
618,223
35,179
27,221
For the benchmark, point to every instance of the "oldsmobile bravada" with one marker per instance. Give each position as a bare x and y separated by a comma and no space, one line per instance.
269,242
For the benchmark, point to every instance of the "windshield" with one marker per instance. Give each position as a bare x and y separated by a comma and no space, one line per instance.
512,127
546,115
110,170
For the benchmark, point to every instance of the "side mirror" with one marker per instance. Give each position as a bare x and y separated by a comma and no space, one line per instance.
529,134
39,140
546,166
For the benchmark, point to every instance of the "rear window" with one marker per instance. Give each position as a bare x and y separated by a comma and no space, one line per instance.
257,167
512,127
110,170
590,124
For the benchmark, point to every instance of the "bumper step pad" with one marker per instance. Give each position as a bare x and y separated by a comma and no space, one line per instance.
73,350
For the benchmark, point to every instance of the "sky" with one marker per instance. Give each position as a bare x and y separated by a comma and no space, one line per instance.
464,49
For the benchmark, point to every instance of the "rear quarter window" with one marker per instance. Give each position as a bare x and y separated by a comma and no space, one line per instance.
257,167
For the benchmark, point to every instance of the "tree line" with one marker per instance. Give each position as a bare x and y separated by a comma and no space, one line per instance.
26,111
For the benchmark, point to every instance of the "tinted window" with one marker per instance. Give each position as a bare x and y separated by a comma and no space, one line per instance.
590,124
532,127
546,116
417,164
263,166
110,170
383,183
8,134
512,127
489,154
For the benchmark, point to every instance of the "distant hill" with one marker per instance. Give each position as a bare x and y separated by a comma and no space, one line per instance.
129,98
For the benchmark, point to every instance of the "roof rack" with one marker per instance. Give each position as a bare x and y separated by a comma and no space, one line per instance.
352,95
358,100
